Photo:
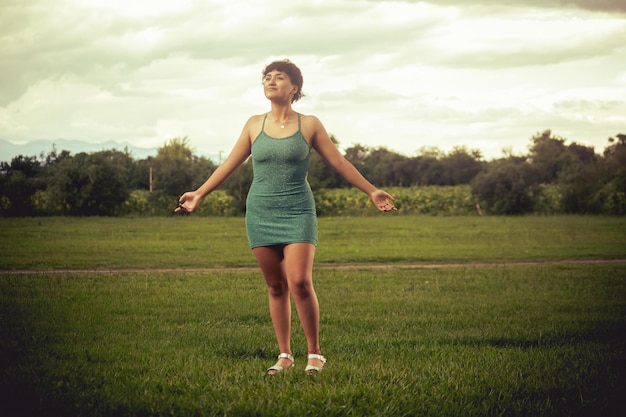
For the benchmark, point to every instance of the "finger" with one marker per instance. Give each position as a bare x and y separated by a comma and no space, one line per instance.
390,207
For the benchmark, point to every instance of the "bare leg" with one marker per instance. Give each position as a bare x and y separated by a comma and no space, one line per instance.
298,267
271,265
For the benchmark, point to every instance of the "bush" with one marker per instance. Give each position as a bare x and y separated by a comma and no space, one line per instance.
144,203
138,203
506,187
612,197
547,199
433,200
579,185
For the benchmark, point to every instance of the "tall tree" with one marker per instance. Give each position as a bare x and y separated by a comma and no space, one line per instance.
613,193
19,180
357,155
460,165
90,184
549,155
428,167
173,167
383,165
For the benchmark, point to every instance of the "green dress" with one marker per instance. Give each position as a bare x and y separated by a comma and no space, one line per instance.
280,208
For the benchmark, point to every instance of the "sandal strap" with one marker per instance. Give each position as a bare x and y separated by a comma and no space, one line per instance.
279,368
316,356
276,368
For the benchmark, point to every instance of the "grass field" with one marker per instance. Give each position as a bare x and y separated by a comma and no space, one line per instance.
500,340
193,242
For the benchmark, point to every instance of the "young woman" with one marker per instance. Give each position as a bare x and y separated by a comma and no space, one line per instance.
280,210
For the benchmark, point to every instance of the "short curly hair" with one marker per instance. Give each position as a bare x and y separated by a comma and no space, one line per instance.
292,71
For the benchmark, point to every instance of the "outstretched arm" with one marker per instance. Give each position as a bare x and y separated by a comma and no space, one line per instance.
191,200
327,150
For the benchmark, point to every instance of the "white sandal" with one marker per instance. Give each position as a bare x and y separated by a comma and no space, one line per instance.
278,368
310,369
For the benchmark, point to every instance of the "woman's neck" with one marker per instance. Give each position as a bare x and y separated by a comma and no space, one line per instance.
281,115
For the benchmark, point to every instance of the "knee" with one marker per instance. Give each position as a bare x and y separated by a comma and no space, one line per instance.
301,286
278,288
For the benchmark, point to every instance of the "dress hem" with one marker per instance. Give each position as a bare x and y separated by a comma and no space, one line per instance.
282,243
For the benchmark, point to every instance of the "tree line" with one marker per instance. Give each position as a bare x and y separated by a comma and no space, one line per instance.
113,183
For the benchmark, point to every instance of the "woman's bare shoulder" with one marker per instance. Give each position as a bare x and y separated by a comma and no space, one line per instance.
256,118
254,122
308,117
310,121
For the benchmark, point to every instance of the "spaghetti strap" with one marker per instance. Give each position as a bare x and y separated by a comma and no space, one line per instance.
298,122
263,126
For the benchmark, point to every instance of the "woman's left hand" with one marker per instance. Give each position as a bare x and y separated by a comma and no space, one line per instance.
383,201
188,202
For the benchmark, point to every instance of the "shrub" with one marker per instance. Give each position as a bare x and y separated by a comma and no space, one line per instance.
433,200
506,187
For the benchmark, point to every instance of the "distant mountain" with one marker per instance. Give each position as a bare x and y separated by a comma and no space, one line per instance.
9,150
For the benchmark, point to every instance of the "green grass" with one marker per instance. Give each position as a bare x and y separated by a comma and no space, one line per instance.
516,341
194,242
543,340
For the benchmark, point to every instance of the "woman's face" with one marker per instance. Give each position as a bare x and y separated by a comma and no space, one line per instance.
277,85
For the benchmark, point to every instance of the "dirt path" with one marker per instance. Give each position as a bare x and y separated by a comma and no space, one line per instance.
370,266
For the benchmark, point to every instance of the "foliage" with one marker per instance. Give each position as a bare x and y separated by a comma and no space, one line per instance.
89,184
237,186
138,203
555,177
612,197
321,175
433,200
547,200
548,154
19,181
579,185
461,166
143,203
505,187
432,167
613,194
176,169
587,183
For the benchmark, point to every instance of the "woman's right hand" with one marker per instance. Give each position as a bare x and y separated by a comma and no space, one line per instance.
188,202
383,200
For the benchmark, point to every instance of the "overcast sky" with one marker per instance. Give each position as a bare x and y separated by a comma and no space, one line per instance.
484,74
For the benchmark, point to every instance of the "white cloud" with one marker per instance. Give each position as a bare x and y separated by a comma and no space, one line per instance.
133,8
400,74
